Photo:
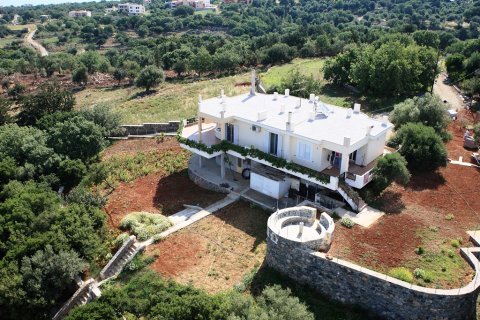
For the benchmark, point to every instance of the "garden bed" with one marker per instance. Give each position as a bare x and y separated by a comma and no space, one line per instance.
433,212
217,252
157,182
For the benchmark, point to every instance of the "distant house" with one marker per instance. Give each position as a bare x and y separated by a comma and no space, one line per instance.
146,3
44,17
131,8
79,13
111,10
196,4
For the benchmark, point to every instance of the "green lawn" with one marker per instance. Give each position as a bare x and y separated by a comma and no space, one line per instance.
47,41
176,101
21,27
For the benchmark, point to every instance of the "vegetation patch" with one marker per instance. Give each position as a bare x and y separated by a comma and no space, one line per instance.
347,222
144,224
401,273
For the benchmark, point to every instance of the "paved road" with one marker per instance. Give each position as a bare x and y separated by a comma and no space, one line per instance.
448,93
36,45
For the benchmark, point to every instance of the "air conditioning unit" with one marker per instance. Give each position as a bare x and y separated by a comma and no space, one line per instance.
256,128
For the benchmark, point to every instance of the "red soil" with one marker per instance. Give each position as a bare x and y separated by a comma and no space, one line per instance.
156,192
423,204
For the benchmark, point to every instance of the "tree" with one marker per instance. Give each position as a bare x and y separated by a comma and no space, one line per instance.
180,67
104,117
278,53
149,77
426,38
390,168
49,98
28,147
182,11
71,172
5,106
421,146
427,109
76,138
201,62
119,74
80,75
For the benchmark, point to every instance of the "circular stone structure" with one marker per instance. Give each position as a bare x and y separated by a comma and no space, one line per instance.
299,226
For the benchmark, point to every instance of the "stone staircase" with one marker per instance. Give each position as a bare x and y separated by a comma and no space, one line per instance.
351,196
87,291
126,253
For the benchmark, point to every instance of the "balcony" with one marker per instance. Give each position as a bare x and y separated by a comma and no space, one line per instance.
209,138
358,176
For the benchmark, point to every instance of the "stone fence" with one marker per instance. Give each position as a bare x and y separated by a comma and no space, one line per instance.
150,128
378,293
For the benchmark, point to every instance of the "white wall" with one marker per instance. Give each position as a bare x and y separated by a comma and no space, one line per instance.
375,148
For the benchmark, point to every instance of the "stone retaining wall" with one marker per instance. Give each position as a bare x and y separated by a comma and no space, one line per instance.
384,296
151,128
203,183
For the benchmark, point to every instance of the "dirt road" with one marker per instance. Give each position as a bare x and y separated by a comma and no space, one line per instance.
447,92
32,43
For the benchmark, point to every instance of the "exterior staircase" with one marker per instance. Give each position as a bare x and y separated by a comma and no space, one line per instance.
351,196
126,253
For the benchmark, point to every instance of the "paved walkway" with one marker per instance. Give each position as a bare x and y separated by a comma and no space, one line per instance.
365,218
183,218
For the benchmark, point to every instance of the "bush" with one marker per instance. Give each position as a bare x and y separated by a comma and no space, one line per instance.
422,274
391,168
421,146
449,217
419,250
347,222
144,224
401,273
120,240
455,243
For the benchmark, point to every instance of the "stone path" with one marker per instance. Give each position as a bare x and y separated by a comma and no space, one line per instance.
365,218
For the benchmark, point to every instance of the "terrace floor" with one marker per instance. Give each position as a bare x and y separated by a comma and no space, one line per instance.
208,133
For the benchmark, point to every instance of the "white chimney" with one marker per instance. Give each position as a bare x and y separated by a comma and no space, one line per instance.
311,116
312,97
222,93
262,115
289,117
356,107
287,92
275,95
349,113
282,108
369,130
346,141
384,121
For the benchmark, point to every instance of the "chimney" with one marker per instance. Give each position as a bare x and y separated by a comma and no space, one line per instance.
222,93
311,116
369,130
356,107
289,124
287,92
384,121
275,96
349,113
346,141
312,97
282,108
252,83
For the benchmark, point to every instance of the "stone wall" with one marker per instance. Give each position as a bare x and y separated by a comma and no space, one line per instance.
151,128
203,183
384,296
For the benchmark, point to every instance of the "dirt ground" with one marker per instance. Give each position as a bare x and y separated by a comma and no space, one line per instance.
156,192
217,252
433,209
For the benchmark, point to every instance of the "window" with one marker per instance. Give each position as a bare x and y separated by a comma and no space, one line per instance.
273,146
229,129
304,151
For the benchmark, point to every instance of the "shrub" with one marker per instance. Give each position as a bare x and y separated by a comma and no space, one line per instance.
347,222
145,225
421,146
419,273
157,238
391,168
449,217
455,243
420,250
120,239
401,273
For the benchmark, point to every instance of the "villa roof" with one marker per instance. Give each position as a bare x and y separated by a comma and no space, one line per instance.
311,119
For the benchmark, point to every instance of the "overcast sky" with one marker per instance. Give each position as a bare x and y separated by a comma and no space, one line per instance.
36,2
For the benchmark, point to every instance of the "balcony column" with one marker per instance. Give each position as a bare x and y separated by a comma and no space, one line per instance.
199,119
344,163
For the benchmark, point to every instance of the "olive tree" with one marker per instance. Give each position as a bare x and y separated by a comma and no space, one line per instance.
149,77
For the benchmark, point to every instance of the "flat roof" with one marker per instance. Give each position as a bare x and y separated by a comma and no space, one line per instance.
313,120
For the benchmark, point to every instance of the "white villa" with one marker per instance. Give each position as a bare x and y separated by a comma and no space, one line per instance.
327,144
131,8
80,13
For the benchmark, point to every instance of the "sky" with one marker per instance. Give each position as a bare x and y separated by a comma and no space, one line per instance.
37,2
